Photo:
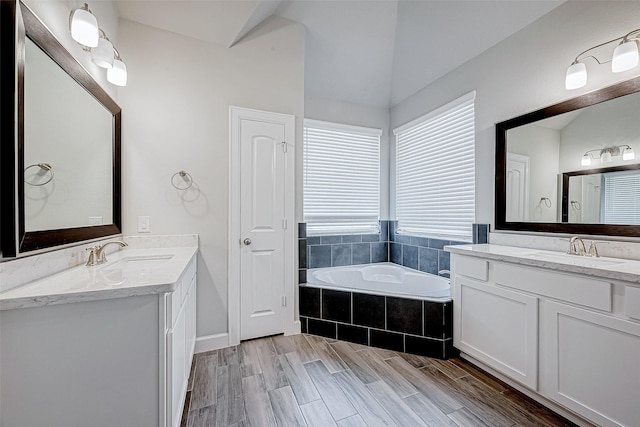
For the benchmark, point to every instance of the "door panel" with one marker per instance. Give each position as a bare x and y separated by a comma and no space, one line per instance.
498,327
262,212
592,360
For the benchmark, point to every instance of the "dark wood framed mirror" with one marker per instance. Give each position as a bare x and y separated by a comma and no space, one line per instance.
67,144
527,199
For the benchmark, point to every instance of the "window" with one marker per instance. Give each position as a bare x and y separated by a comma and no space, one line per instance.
621,198
341,178
435,172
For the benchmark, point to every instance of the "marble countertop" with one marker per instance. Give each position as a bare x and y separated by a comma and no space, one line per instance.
128,272
610,268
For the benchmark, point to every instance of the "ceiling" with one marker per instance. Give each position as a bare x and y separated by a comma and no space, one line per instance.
368,52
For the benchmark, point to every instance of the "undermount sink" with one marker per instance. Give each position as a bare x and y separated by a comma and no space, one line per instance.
136,263
578,260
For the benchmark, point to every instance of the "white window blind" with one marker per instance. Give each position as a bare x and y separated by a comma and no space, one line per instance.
435,172
341,178
621,198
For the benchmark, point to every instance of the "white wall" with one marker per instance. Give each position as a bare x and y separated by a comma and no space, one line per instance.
523,73
357,115
176,117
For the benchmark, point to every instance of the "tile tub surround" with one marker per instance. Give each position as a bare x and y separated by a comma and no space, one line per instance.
426,254
400,324
340,250
419,253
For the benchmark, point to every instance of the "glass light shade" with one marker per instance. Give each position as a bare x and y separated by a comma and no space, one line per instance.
625,57
628,154
586,160
117,74
605,156
576,76
102,55
84,28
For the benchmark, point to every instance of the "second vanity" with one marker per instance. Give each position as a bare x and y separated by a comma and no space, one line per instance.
108,345
564,327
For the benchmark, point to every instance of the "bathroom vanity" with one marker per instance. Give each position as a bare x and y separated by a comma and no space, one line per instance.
109,345
565,327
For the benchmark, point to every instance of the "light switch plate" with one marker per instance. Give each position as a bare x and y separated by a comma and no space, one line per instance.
143,224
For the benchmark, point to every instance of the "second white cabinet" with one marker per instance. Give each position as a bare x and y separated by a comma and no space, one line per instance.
570,338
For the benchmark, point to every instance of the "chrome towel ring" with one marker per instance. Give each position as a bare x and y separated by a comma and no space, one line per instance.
187,181
44,169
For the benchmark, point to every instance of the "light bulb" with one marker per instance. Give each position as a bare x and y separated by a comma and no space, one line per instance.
625,57
576,76
117,74
84,27
102,55
628,154
586,160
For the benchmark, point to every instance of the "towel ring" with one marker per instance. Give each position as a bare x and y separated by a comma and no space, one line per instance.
546,201
45,167
576,205
186,177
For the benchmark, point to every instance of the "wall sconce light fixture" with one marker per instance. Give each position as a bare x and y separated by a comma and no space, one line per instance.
86,32
606,154
625,57
84,26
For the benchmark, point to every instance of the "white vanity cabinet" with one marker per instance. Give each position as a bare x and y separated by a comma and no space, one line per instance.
573,339
113,357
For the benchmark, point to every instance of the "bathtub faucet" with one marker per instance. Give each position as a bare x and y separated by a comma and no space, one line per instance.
447,272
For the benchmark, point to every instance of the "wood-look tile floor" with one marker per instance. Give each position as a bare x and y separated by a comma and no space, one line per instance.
304,380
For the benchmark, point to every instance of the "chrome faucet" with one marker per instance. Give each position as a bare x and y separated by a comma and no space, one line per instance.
444,272
593,250
97,255
579,249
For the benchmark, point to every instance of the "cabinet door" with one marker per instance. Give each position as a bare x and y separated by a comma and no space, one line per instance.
592,361
499,327
190,308
177,367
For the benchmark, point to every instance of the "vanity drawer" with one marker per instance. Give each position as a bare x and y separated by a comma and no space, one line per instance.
632,302
582,290
474,268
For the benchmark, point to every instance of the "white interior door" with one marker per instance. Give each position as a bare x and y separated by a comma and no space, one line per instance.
517,187
263,221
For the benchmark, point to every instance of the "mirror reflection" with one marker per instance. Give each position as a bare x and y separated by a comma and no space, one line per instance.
592,148
67,149
603,196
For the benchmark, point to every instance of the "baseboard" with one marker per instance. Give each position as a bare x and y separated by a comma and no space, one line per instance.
212,342
294,329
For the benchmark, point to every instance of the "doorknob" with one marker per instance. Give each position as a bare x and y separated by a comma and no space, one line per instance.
247,241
